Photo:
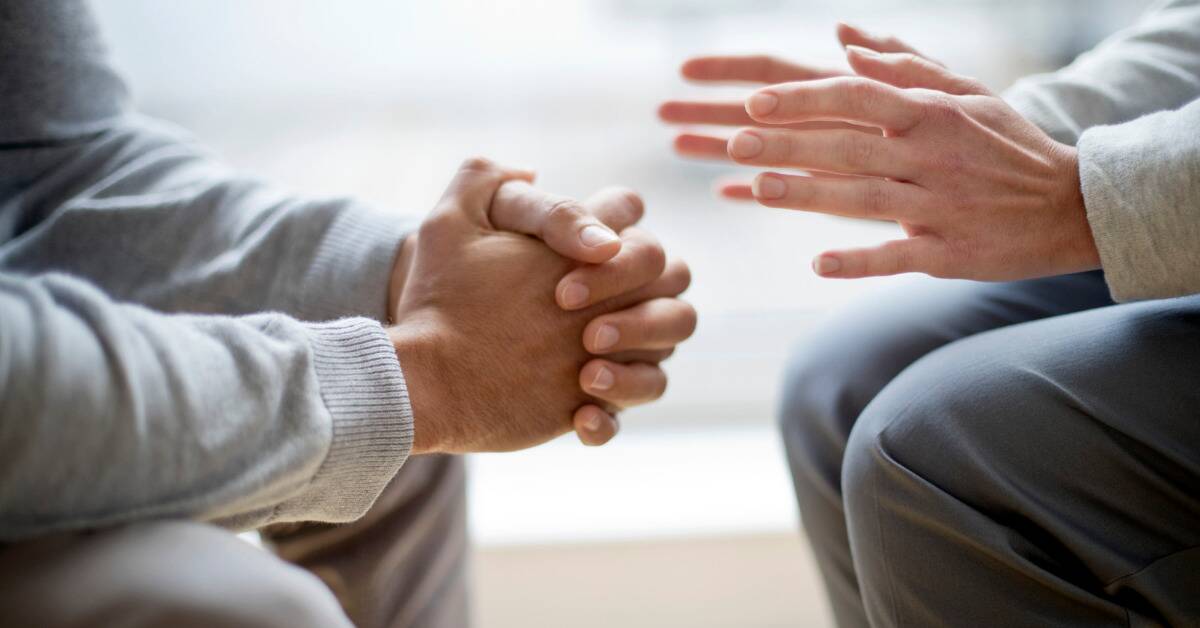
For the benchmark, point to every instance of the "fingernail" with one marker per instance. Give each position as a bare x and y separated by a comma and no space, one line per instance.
745,145
603,379
825,265
862,52
575,294
593,421
606,336
762,103
596,235
769,187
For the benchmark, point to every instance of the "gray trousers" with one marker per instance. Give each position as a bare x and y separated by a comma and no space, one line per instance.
1020,454
402,566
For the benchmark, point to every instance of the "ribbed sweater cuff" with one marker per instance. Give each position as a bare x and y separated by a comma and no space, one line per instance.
363,388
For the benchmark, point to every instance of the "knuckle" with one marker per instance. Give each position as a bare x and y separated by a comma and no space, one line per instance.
863,93
941,108
680,273
477,163
910,62
564,210
653,258
857,152
802,193
437,224
876,200
633,200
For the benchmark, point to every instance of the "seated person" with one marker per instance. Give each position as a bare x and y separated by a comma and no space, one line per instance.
185,351
1017,453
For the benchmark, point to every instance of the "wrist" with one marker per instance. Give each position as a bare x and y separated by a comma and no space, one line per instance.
1080,244
418,361
400,269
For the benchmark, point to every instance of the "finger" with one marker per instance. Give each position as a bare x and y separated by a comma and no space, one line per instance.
475,184
839,152
732,113
654,324
617,207
649,356
735,190
752,69
855,99
702,146
871,198
904,69
622,385
854,36
640,261
564,224
673,282
919,254
594,426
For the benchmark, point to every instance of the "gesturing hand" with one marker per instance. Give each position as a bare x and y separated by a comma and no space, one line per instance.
981,192
493,362
755,69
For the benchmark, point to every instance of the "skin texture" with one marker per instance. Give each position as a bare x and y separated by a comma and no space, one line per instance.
482,305
980,192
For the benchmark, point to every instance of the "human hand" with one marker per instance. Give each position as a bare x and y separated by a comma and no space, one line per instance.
479,306
755,69
981,192
645,333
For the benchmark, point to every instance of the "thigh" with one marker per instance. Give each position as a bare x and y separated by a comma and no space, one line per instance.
1056,463
183,574
836,371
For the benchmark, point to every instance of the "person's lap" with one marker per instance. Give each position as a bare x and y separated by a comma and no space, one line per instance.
402,564
1107,389
843,365
1045,472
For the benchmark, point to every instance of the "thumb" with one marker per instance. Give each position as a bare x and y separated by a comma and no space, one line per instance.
474,185
906,69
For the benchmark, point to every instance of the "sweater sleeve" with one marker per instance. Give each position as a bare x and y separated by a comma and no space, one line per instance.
1152,66
150,217
112,412
136,207
1141,186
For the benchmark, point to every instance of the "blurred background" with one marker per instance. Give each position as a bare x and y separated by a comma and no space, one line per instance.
686,519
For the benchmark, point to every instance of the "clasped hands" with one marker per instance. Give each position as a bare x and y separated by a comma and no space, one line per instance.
520,315
980,192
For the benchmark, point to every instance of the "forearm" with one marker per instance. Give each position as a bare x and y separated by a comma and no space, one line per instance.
1141,182
151,218
113,413
1152,66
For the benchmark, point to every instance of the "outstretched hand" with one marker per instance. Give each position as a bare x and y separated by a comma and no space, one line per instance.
981,192
754,70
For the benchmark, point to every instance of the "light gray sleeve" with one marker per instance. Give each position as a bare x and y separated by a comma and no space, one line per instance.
1141,185
90,188
112,412
143,212
1151,66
